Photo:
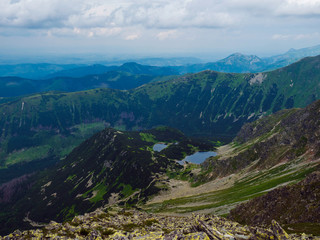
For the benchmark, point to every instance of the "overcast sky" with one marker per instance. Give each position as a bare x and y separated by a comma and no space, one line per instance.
158,27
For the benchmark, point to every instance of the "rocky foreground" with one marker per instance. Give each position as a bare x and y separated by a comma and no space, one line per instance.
140,225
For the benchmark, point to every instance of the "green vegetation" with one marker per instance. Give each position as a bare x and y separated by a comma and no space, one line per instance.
221,201
127,190
97,193
308,228
147,137
30,154
184,174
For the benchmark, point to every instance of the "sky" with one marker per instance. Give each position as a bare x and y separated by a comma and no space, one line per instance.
157,28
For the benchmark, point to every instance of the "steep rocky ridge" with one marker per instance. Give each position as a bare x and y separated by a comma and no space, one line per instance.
279,138
297,206
111,167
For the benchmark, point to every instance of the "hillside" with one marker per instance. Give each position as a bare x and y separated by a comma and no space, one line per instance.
121,167
279,138
110,167
296,206
274,151
208,103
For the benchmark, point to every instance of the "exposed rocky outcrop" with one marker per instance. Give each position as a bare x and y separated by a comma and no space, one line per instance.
299,203
140,225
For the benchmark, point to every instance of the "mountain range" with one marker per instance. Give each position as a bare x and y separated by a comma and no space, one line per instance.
206,104
127,76
97,145
237,63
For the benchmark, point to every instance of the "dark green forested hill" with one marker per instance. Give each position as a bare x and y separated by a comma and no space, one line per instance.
15,86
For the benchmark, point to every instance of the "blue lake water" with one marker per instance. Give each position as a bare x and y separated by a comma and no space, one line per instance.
159,146
198,157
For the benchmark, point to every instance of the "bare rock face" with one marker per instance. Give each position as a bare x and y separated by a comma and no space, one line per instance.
140,225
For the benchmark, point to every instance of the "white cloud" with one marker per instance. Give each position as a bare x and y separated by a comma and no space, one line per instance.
308,8
295,36
81,13
166,14
167,34
87,32
132,37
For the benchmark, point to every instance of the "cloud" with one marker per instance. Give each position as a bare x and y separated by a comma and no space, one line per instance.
98,13
167,34
204,23
295,36
132,37
305,8
87,32
36,13
160,14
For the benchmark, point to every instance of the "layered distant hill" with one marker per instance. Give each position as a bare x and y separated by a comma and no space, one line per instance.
237,63
127,76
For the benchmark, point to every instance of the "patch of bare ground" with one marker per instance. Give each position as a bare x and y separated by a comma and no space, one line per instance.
178,188
225,150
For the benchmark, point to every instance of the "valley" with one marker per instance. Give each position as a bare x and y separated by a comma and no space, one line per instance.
208,104
107,148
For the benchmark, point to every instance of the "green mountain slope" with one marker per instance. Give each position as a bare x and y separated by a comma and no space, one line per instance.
278,138
112,166
297,206
207,103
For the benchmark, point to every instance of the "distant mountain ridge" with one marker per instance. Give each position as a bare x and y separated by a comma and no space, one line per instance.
241,63
236,63
129,67
127,76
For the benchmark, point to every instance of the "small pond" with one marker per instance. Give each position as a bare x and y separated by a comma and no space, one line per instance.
159,146
198,157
